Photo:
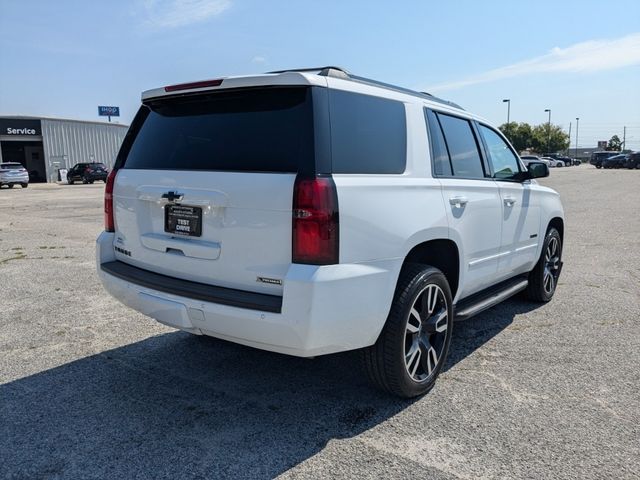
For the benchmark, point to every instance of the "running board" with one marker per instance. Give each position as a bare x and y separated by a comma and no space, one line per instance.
478,302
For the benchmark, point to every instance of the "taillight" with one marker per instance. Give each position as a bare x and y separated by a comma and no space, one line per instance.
109,223
315,221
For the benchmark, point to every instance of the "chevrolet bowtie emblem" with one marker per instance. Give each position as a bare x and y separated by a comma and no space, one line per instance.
172,196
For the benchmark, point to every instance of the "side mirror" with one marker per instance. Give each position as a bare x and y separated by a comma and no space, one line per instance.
538,169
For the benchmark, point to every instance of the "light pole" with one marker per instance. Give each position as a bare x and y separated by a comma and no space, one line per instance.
508,102
577,125
548,131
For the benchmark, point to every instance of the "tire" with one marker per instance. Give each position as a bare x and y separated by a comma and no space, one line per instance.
91,182
389,363
543,279
598,166
24,185
69,181
84,180
10,185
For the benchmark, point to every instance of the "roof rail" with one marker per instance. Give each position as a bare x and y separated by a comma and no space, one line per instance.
408,91
339,72
328,71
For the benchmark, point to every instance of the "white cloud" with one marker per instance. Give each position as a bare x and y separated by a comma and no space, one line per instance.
179,13
259,60
584,57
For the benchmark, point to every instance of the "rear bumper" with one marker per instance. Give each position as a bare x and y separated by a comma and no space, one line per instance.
324,309
14,179
95,177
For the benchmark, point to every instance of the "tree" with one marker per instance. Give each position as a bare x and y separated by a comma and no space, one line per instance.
519,134
549,138
614,145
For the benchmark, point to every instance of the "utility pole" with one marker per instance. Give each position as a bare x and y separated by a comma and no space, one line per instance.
569,138
577,125
548,131
624,140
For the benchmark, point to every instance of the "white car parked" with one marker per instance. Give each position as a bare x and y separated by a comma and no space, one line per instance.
314,211
553,162
533,158
13,173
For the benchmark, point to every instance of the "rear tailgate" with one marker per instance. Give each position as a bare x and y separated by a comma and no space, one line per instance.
205,192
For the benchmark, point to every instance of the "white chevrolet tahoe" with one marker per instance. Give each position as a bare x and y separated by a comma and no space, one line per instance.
314,211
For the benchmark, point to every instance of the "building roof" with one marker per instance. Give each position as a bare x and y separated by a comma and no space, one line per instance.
28,117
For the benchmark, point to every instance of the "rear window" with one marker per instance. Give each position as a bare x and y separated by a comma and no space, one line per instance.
11,166
439,154
368,134
258,130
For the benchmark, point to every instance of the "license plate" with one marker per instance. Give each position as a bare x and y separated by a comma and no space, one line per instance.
183,220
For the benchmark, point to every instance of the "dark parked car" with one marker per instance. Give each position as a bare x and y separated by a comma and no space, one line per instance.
597,157
87,173
616,161
633,160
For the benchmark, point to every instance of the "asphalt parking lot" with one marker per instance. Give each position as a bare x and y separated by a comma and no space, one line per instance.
91,389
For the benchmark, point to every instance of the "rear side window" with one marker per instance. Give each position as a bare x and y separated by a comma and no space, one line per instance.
439,154
368,134
257,130
462,146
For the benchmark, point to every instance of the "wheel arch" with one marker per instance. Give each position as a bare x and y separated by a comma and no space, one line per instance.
558,224
441,253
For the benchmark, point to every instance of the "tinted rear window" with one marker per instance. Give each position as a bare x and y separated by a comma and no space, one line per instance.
10,166
259,130
368,134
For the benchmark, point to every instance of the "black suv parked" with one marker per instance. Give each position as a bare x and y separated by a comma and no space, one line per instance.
633,160
87,173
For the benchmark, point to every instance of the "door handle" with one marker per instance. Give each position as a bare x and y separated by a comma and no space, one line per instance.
458,202
509,201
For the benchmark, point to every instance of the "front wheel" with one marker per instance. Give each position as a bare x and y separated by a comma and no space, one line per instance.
412,348
24,185
543,279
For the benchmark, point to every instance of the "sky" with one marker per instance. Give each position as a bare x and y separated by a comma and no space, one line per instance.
577,58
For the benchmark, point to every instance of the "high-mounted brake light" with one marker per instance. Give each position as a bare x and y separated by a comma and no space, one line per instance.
109,223
189,86
315,221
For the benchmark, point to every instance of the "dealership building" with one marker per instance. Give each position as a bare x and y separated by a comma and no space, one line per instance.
46,145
